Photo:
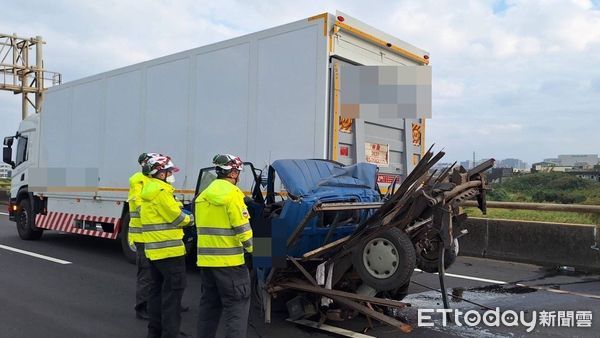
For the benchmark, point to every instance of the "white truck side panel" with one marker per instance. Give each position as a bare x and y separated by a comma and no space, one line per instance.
262,96
222,103
54,129
86,136
124,125
166,114
288,118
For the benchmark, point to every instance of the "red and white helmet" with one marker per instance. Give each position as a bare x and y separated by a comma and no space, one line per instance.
160,162
227,162
144,157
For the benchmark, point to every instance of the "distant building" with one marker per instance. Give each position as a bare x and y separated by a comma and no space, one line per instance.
552,160
546,167
578,160
5,170
511,163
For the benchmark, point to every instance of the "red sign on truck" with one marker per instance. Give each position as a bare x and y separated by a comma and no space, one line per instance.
386,178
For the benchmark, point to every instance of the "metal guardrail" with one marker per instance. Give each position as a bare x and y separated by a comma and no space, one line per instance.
581,208
577,208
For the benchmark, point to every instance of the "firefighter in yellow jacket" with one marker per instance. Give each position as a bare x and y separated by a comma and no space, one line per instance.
134,236
224,233
162,234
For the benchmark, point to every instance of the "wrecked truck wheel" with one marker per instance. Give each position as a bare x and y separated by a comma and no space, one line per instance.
386,262
427,260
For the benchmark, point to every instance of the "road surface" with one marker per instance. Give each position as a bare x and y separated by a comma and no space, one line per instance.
66,285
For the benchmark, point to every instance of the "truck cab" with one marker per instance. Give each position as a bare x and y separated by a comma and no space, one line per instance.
20,152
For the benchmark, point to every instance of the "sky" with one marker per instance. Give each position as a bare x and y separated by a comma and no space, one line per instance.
511,79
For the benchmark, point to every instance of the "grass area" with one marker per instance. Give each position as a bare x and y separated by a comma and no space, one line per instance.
551,187
559,188
4,184
533,215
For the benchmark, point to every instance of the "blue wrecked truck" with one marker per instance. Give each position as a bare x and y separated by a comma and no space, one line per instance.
321,227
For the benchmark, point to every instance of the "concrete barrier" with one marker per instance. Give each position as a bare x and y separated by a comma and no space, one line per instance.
542,243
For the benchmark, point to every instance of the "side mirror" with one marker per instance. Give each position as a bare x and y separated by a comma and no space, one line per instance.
7,156
8,141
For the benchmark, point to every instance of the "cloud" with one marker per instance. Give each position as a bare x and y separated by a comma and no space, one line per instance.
521,76
444,89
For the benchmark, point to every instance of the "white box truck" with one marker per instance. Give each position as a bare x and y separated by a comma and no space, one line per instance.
264,96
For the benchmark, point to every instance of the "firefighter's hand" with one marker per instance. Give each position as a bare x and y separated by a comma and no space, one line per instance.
189,213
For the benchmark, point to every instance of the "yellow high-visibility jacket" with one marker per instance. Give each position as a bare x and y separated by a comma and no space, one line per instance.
136,183
222,223
162,221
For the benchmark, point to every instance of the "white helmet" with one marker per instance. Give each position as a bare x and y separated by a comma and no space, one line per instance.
160,162
226,162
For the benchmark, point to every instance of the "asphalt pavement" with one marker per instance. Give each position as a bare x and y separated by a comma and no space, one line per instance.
66,285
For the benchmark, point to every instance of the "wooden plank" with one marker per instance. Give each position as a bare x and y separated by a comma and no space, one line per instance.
406,328
325,248
330,292
329,328
303,270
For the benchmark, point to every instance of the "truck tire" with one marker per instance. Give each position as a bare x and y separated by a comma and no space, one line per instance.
26,222
428,261
128,251
385,262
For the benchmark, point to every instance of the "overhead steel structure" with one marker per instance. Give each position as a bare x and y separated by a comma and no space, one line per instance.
22,76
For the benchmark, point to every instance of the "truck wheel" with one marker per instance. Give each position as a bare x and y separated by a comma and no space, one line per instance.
387,261
129,251
428,260
25,222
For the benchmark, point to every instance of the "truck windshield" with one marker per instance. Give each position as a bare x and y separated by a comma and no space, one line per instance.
21,150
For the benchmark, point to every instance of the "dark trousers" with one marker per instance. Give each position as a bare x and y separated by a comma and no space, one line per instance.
142,288
225,291
166,291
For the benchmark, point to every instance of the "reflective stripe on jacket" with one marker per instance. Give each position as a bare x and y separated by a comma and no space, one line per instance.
136,183
222,223
162,221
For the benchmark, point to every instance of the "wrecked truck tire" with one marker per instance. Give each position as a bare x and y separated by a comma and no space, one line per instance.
428,261
386,262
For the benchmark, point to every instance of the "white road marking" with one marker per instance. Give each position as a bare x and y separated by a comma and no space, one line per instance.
471,278
4,213
33,254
